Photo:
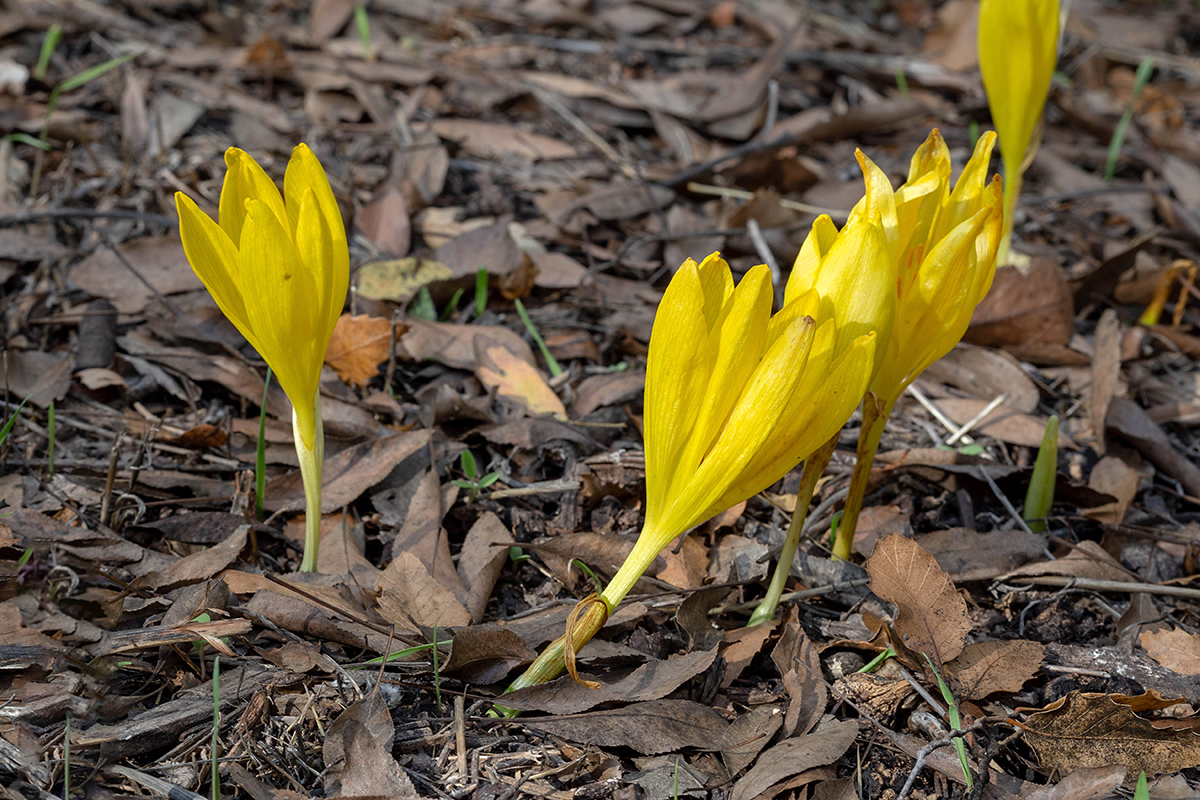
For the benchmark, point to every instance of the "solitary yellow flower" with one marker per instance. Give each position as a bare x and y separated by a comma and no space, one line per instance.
279,268
1018,48
735,398
946,243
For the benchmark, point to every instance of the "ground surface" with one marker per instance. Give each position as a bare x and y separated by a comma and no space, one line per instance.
574,151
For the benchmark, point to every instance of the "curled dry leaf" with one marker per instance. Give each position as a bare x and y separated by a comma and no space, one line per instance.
360,343
658,726
931,616
1087,729
824,745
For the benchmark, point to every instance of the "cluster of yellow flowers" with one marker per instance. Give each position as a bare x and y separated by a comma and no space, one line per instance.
736,396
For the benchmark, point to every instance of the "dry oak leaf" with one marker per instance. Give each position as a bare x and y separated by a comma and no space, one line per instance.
1175,649
931,615
360,343
1088,729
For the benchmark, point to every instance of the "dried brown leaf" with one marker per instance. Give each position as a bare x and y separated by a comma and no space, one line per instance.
931,615
516,380
1174,648
410,596
481,559
984,668
658,726
1023,308
968,555
1082,784
1098,730
385,222
358,753
360,343
1086,560
1113,477
798,663
824,745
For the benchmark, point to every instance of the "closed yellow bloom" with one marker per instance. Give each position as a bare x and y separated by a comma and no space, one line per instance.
1018,48
278,267
735,398
946,250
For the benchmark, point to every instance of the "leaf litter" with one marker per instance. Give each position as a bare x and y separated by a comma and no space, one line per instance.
566,152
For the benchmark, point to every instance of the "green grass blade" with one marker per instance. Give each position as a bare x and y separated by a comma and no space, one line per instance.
1144,71
8,426
481,284
1040,495
49,45
551,361
1142,792
364,30
91,73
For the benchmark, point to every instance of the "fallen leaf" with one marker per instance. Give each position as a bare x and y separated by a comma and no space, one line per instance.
825,745
650,681
1003,423
1098,730
385,222
969,555
1086,560
557,271
495,140
799,666
200,566
1023,308
486,653
349,473
454,345
746,737
399,279
358,753
516,380
658,726
931,615
1130,422
598,391
1106,371
985,668
490,248
409,596
359,344
1174,648
986,374
1082,784
156,264
42,377
1113,477
483,554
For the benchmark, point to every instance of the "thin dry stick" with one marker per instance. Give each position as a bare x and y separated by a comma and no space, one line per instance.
106,500
1112,586
975,420
925,752
764,250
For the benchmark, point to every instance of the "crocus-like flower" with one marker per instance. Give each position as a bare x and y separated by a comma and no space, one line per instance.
279,268
735,398
946,245
1018,48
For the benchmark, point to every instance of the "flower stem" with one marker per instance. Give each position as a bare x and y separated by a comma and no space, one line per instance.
813,468
311,459
551,662
874,419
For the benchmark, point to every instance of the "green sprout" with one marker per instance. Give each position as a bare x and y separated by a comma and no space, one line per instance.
1040,496
364,30
955,722
474,482
551,361
1141,78
49,45
481,284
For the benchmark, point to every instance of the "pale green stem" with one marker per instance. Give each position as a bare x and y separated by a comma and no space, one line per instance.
813,469
311,459
874,419
551,663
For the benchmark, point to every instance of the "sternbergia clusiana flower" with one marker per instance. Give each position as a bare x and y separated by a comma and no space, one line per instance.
854,272
946,246
735,398
279,268
1018,48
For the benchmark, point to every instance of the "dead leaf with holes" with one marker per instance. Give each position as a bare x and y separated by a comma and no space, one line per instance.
515,379
1091,729
1175,649
931,616
399,279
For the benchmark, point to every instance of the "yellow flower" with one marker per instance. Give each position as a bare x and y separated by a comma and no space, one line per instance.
279,268
735,398
1018,48
946,250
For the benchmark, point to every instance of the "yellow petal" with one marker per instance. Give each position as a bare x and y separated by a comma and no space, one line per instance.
879,202
739,343
304,173
823,412
214,259
316,248
807,304
280,295
245,180
808,261
749,429
676,379
860,282
717,283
